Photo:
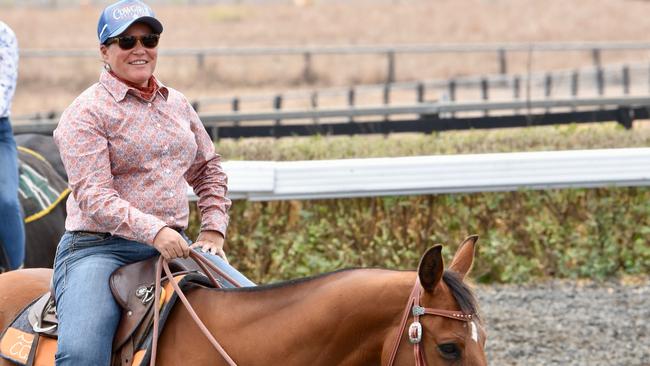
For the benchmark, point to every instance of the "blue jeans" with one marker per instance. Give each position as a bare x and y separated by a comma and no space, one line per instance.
88,314
12,229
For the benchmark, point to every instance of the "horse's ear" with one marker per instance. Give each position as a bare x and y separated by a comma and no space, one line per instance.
464,256
431,268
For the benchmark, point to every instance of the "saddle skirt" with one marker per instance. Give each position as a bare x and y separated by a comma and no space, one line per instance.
30,339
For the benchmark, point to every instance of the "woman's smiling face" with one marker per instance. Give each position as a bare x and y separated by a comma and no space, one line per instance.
135,65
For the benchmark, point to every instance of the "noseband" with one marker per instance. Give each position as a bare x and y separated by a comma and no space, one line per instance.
415,329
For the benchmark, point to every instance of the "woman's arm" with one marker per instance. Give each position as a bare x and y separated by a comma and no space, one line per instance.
209,181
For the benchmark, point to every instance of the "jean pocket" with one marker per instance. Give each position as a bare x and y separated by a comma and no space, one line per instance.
83,239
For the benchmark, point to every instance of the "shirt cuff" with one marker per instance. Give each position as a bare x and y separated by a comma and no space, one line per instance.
150,235
216,223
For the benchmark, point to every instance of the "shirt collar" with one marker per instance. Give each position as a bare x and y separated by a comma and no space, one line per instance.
119,90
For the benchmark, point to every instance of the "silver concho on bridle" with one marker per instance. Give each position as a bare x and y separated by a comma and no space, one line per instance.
415,329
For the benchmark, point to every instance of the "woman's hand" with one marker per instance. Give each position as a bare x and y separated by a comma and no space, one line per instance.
211,241
171,244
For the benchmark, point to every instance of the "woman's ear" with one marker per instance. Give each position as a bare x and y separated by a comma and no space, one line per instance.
103,50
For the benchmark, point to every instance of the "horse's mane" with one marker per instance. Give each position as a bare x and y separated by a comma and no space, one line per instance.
461,292
293,282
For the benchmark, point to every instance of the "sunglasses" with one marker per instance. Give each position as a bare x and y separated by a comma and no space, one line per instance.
128,42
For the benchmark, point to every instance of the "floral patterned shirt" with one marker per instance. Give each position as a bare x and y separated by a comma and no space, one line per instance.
128,159
8,68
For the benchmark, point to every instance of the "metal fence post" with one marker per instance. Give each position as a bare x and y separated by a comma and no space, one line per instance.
600,81
420,92
595,57
452,90
351,100
307,72
235,108
485,92
516,89
452,95
277,105
575,83
626,80
200,60
386,99
548,85
390,77
503,62
314,104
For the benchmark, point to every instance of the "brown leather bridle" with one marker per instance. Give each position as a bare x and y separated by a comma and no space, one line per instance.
415,329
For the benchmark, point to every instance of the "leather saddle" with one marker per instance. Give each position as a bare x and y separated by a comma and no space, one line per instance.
133,289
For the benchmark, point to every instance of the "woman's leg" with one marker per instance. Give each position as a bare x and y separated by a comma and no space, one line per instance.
88,314
12,229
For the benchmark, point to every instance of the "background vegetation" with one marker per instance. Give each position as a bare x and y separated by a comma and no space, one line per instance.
576,233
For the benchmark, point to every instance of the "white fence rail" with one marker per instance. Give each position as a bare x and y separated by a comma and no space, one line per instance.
268,180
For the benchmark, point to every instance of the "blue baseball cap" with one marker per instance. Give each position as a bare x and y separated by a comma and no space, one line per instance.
116,18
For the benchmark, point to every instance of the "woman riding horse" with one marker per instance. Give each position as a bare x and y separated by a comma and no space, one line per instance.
129,145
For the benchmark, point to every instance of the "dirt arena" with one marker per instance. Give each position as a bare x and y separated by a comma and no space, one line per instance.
568,323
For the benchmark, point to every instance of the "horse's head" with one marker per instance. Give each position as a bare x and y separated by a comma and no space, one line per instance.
440,325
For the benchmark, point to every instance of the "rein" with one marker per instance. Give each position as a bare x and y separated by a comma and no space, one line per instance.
415,329
204,264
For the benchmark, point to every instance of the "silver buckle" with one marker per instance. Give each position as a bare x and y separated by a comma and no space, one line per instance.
415,332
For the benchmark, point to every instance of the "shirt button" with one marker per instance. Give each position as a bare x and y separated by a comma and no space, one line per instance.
149,104
158,125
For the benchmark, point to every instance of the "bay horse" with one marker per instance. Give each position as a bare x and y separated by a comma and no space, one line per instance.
349,317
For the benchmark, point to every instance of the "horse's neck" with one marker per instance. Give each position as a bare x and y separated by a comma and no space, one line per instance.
344,318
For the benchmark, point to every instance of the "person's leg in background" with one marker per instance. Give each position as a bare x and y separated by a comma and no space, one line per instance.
12,229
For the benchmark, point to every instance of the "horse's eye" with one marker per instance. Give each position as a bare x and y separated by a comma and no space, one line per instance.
449,351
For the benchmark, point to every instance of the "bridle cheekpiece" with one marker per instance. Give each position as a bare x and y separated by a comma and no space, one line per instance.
415,329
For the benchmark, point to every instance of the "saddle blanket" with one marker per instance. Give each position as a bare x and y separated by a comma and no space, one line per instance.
21,345
40,188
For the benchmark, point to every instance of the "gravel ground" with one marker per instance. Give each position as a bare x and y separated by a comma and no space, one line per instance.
568,323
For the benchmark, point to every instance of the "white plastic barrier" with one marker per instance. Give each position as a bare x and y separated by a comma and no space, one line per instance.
268,180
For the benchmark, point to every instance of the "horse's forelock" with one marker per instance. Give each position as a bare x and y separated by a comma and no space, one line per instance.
462,293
